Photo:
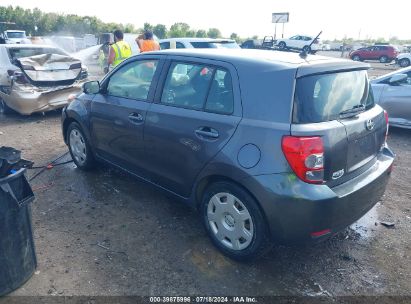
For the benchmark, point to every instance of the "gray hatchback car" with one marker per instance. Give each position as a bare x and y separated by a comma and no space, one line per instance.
270,147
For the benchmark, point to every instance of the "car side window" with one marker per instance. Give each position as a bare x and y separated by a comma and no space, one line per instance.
221,99
187,85
179,45
165,45
133,80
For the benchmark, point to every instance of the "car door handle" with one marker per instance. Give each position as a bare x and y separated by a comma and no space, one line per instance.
136,118
206,132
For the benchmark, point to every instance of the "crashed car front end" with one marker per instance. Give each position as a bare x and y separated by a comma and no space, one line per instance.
43,83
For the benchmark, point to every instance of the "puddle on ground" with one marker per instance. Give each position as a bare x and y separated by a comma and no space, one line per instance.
365,227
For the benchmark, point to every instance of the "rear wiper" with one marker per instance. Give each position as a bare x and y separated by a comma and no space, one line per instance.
353,111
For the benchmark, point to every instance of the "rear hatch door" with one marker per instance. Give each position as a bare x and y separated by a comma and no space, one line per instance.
338,106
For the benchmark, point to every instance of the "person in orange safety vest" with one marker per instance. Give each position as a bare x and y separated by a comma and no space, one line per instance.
146,42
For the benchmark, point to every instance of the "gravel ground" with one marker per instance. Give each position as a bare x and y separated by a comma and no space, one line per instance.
105,233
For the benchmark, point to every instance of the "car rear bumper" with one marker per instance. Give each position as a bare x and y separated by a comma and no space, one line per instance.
27,99
299,212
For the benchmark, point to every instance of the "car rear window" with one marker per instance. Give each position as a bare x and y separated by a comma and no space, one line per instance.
16,53
323,97
16,35
215,45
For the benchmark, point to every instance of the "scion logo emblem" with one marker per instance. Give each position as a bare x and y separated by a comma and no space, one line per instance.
370,124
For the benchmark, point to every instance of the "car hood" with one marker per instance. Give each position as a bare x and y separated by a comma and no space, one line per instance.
50,68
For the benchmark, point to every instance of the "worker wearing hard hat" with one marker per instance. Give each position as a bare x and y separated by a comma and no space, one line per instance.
119,50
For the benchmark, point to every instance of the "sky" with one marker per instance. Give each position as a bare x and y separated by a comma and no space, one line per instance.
337,19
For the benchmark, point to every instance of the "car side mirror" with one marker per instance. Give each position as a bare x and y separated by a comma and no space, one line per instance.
91,87
398,78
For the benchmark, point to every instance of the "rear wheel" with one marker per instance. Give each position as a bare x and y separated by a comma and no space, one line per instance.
307,49
282,45
404,62
234,222
79,148
383,59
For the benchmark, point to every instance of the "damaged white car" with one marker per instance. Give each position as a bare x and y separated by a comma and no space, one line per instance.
37,78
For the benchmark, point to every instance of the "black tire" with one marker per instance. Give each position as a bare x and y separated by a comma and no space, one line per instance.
404,62
5,109
356,58
258,244
384,59
282,45
88,161
307,49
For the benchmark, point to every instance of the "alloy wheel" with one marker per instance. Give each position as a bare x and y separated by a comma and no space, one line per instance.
404,62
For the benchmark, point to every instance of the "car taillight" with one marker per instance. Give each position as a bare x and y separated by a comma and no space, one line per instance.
387,124
18,76
306,157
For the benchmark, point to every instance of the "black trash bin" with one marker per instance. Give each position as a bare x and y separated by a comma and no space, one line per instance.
17,252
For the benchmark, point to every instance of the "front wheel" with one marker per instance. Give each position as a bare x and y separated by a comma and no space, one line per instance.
79,148
356,58
404,62
4,108
234,222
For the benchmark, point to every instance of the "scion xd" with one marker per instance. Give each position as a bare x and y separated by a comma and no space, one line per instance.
270,147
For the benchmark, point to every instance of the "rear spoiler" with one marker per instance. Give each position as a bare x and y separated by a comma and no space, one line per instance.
328,67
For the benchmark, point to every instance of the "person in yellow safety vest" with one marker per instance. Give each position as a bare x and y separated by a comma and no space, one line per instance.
119,51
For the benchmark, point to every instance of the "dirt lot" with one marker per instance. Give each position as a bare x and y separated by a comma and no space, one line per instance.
104,233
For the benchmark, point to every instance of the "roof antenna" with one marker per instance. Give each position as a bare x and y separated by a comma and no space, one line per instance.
304,52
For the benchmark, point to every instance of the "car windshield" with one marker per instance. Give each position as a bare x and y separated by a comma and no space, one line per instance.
16,53
16,35
324,97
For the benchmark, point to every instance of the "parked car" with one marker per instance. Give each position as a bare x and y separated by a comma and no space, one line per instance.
15,37
252,44
403,60
37,78
393,92
197,43
299,42
267,146
383,53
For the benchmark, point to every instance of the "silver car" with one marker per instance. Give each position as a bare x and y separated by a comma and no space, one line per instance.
37,78
393,92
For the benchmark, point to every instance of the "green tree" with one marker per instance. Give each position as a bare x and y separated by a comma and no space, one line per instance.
129,28
201,34
179,29
214,33
191,33
160,30
148,26
235,37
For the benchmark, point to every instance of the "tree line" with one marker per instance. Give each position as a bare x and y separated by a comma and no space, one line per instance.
38,23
